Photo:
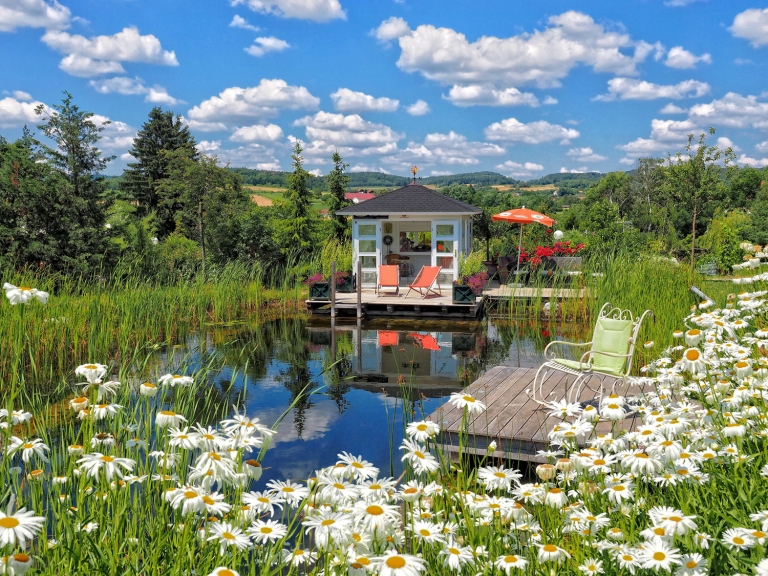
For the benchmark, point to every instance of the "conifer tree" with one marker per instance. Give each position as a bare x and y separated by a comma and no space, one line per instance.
337,186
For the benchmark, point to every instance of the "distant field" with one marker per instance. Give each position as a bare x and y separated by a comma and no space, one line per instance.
261,200
539,188
264,188
503,187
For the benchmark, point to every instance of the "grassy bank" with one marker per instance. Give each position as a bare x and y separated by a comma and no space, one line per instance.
632,283
117,322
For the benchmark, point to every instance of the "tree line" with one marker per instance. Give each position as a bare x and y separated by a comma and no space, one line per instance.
174,211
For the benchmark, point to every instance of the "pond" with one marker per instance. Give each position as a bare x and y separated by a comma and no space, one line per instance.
356,402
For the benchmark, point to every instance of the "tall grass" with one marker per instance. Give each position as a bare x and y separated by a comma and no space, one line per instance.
89,318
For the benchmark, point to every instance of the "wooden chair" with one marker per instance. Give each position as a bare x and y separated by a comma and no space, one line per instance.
608,355
389,277
425,279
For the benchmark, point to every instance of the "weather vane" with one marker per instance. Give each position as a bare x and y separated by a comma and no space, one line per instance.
414,171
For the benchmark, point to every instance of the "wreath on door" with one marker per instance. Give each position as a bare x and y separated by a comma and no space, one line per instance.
387,240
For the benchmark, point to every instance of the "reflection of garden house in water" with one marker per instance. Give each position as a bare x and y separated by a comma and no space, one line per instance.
386,359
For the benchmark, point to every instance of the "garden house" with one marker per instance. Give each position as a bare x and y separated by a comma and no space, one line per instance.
412,226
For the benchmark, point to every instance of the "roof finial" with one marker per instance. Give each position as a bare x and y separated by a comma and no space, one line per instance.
414,171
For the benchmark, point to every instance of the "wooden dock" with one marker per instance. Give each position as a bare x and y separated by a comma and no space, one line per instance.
518,424
391,305
527,292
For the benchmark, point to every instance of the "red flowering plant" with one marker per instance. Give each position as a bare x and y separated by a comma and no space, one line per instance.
341,277
559,249
477,282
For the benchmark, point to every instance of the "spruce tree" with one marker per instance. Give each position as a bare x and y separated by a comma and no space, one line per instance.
160,134
337,186
293,232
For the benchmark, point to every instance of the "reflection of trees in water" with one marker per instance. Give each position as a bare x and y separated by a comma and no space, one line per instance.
338,371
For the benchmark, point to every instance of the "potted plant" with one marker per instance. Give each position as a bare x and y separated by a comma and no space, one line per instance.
466,288
319,288
345,282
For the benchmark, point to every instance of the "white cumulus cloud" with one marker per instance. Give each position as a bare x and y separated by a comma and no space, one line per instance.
745,160
262,101
762,147
733,110
326,131
673,109
542,57
485,95
257,133
123,85
518,170
253,155
240,22
679,57
104,54
32,14
418,108
346,100
633,89
265,44
752,25
585,155
391,29
512,130
666,136
316,10
15,113
442,149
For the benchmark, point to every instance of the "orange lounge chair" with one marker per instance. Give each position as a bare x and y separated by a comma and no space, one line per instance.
387,338
389,277
425,279
426,341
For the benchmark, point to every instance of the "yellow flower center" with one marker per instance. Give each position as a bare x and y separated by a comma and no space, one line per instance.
8,523
659,556
228,536
675,518
738,540
692,354
468,398
90,367
190,494
454,551
339,486
510,559
421,427
265,530
499,474
374,510
424,532
328,522
395,562
691,564
107,459
550,548
208,500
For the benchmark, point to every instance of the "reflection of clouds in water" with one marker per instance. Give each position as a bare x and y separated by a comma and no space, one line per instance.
317,421
297,463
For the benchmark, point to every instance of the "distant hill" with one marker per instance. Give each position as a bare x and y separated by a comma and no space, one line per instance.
568,179
372,179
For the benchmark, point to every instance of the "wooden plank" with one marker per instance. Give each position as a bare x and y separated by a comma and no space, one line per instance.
518,410
448,414
511,388
531,414
487,393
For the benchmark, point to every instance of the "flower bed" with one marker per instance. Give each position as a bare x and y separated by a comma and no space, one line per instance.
130,486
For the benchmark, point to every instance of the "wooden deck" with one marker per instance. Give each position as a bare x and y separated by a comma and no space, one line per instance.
391,305
517,424
522,292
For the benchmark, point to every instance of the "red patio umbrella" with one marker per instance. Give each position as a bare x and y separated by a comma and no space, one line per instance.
522,216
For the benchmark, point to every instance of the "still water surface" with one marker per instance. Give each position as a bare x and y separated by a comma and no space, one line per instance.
357,402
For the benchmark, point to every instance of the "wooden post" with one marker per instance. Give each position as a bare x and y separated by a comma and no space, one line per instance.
333,339
333,289
359,290
359,343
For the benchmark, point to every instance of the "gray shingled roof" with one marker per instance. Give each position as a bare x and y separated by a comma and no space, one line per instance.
409,199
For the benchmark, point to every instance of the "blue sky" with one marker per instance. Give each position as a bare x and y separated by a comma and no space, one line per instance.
522,88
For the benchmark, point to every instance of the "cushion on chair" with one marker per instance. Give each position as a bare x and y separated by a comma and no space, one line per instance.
574,364
612,336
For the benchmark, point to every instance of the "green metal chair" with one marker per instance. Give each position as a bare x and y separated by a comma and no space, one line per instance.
608,355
